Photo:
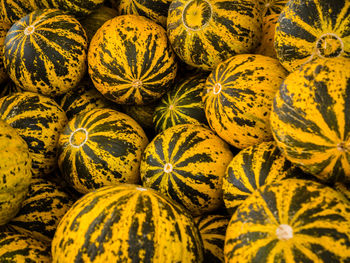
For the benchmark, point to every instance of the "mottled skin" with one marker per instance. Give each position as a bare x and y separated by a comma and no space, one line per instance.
271,7
4,27
267,46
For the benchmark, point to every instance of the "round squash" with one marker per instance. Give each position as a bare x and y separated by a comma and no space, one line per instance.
310,119
187,163
239,97
8,88
15,172
343,188
130,60
311,29
4,27
272,7
267,44
204,33
101,147
39,120
290,221
45,52
143,114
126,223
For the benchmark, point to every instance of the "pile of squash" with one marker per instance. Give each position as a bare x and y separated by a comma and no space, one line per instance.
175,131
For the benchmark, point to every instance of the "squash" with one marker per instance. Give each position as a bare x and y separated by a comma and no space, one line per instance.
130,60
45,52
272,7
307,30
239,97
39,120
15,172
267,44
126,223
204,33
100,147
4,27
8,88
290,221
143,114
343,188
310,118
187,163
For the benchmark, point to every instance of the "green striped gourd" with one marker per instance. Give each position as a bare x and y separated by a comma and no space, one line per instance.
213,230
266,46
290,221
182,104
130,60
18,248
252,168
239,97
39,120
15,172
271,7
187,163
312,29
143,114
204,33
4,27
310,119
45,52
126,223
41,211
101,147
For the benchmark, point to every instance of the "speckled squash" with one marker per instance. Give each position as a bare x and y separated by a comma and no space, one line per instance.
267,44
41,211
204,33
39,120
290,221
252,168
130,60
4,27
310,119
101,147
143,114
239,97
271,7
45,52
8,88
187,163
182,104
343,188
126,223
17,248
213,230
13,10
15,172
311,29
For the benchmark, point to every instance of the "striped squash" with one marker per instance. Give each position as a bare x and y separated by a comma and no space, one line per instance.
343,188
271,7
204,33
4,27
15,172
39,120
290,221
126,223
182,104
41,211
101,147
130,60
312,29
310,119
252,168
8,88
239,97
45,52
266,46
17,248
187,163
212,229
143,114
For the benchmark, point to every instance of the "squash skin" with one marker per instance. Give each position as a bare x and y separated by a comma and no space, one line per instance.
307,30
126,223
314,220
239,97
52,47
310,119
4,27
272,7
130,60
267,45
15,172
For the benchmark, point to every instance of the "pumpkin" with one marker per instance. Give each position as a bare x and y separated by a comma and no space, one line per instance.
308,30
266,46
239,97
204,33
41,211
15,172
182,104
187,163
126,223
45,52
290,221
271,7
130,60
4,27
310,118
212,229
101,147
22,248
39,120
